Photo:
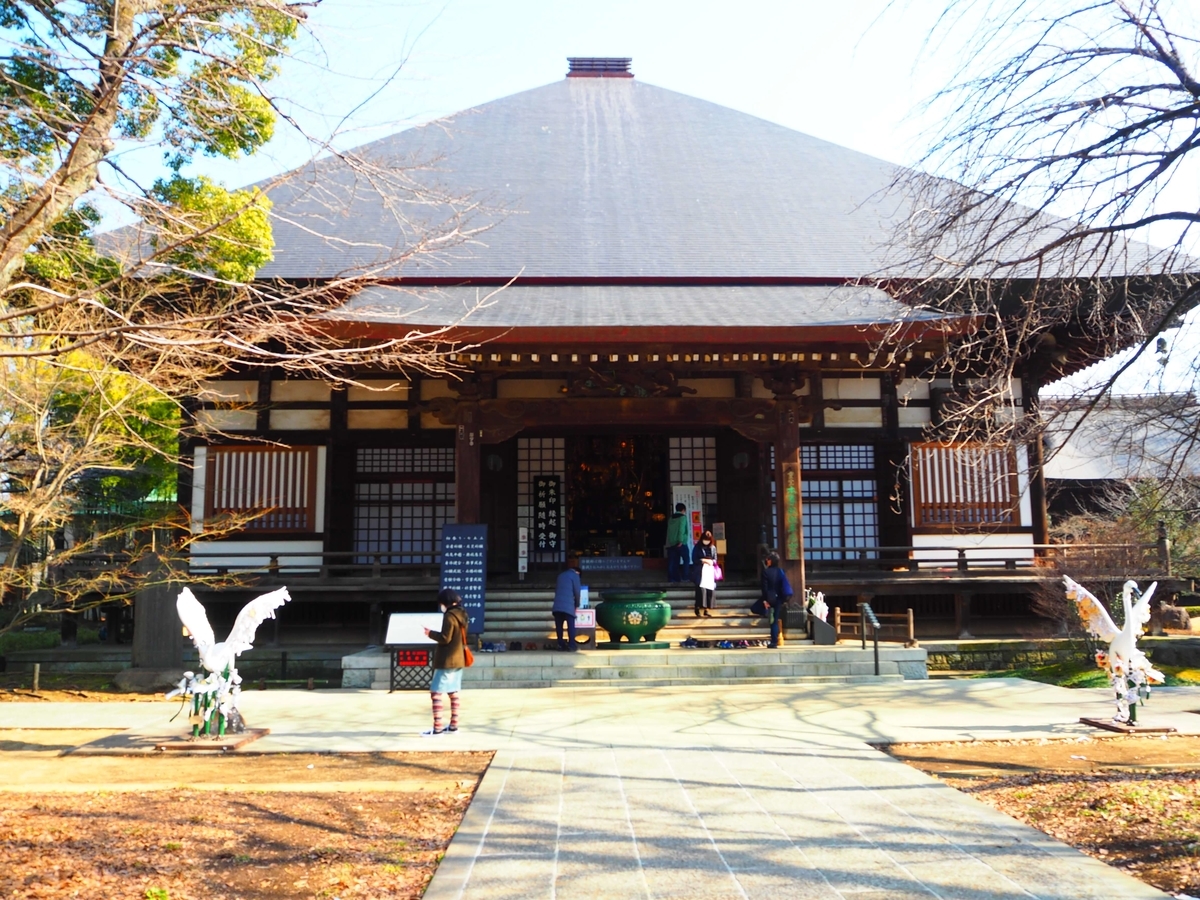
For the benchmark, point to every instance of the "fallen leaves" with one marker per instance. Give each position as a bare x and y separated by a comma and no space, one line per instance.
1145,823
249,846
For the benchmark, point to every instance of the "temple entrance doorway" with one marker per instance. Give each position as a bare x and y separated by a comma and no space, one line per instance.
618,495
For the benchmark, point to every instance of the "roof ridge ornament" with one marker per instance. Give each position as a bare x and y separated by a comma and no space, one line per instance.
599,67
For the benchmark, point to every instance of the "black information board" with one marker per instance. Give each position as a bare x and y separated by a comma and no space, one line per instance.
464,568
547,505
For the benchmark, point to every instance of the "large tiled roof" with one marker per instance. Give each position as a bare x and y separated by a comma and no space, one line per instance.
638,306
595,178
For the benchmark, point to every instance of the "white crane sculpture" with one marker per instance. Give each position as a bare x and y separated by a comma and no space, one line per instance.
214,696
817,607
1129,671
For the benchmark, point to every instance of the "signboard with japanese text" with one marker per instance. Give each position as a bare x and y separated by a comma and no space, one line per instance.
464,568
547,509
692,497
585,618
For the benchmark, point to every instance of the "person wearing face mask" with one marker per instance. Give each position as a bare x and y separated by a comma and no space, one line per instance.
704,562
449,660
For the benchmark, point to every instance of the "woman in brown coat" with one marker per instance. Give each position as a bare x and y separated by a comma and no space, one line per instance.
449,660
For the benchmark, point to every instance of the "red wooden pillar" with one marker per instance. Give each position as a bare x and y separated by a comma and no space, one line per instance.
790,507
468,442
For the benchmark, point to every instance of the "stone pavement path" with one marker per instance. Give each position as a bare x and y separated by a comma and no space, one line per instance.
768,791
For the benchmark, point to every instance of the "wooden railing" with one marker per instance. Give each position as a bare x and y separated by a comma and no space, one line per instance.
874,563
847,624
321,565
1101,559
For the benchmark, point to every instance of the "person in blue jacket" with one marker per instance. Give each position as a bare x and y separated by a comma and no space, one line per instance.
775,593
566,601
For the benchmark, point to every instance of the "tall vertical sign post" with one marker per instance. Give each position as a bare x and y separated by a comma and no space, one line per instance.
464,569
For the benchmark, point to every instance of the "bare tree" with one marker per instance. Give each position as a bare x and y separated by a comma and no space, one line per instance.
105,337
1055,206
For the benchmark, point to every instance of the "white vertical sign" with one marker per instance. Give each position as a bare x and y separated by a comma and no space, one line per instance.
692,497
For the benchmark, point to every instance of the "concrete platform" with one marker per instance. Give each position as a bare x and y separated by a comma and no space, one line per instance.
658,668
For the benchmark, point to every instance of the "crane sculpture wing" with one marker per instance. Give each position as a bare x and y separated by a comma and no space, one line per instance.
1094,616
195,620
1141,609
253,614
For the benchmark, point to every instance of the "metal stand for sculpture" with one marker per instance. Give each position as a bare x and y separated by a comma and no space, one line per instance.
1129,671
214,696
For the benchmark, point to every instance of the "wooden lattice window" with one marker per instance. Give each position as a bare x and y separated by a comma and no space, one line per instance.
964,487
275,486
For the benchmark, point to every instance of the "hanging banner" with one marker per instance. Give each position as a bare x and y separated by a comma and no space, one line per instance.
791,510
547,506
464,568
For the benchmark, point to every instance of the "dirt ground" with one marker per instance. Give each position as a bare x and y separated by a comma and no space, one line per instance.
1133,802
15,687
270,826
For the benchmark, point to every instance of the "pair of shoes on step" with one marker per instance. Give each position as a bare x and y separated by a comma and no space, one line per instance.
689,643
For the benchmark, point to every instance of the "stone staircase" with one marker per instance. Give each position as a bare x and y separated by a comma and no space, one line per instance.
523,614
655,668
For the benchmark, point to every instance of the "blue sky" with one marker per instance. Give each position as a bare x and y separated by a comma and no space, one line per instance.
852,72
834,71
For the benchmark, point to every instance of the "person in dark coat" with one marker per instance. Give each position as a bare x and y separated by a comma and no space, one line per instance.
775,593
449,660
566,600
704,561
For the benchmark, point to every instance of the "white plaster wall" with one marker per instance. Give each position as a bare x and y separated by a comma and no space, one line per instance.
227,419
319,505
300,419
292,554
357,419
299,391
994,548
199,475
850,388
373,389
854,417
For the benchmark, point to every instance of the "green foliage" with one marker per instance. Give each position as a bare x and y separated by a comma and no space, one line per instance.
65,257
16,641
190,75
1086,675
157,893
225,233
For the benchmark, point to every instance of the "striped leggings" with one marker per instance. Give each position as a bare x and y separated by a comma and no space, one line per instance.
439,709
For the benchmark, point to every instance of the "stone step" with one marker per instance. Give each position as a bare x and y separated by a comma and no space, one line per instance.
678,605
668,682
714,666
